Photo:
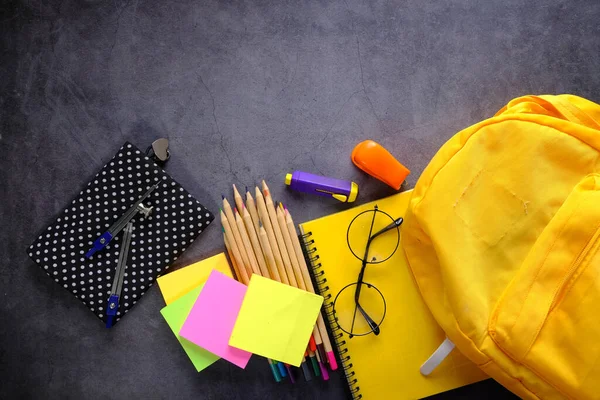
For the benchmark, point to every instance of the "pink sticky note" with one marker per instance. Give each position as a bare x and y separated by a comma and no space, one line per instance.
212,318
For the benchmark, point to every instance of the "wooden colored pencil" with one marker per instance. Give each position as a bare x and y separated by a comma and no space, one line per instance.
277,231
236,234
278,279
246,242
264,241
246,229
287,235
235,249
309,286
258,251
266,222
274,370
315,365
321,362
230,253
313,360
294,270
239,203
245,280
306,369
251,206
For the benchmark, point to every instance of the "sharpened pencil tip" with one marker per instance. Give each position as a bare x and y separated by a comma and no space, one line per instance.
236,194
247,189
222,197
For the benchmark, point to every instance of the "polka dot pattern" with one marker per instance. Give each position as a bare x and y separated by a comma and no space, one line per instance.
176,220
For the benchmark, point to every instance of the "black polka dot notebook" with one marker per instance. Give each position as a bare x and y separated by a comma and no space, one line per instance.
176,219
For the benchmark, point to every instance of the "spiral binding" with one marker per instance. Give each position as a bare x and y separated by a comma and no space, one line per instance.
318,275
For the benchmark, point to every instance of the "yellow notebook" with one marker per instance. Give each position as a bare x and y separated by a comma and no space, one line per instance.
385,366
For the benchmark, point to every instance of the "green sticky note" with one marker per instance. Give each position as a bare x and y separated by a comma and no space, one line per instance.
175,315
275,320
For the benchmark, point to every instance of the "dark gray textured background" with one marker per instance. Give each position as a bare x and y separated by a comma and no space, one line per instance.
244,91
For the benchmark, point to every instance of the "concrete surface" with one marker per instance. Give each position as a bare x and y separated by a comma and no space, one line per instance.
244,90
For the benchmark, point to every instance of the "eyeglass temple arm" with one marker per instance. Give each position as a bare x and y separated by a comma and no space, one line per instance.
372,324
393,225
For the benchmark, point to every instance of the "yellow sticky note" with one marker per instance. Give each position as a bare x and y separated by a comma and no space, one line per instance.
177,283
275,320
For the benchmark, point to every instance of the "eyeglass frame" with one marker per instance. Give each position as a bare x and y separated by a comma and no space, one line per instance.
395,224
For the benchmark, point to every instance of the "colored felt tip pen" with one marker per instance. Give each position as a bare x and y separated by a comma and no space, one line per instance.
339,189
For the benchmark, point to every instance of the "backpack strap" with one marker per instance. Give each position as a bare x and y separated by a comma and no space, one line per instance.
574,113
565,106
437,357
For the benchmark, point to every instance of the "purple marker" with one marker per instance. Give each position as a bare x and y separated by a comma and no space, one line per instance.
343,191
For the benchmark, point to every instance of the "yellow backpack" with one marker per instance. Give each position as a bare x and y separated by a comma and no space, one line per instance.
502,236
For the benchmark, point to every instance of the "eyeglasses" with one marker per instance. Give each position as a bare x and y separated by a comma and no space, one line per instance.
370,320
